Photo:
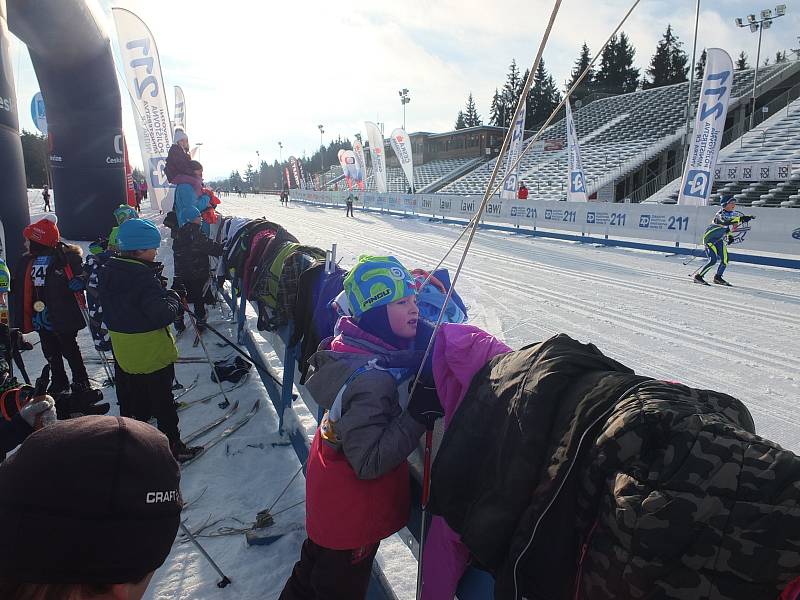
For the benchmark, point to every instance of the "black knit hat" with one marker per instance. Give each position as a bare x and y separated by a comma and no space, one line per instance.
89,500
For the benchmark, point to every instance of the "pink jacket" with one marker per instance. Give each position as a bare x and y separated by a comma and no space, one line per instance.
460,352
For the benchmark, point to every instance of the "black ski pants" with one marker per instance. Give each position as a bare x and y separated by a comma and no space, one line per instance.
349,211
142,396
58,346
325,574
195,295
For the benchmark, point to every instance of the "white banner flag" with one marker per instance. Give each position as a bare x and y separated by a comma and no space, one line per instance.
576,189
401,144
709,124
511,181
145,84
361,164
180,109
376,147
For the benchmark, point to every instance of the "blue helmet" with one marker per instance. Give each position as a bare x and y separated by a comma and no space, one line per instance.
725,199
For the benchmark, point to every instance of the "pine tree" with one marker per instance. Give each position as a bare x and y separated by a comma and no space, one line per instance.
583,60
668,64
542,99
511,91
471,116
624,56
605,74
678,63
460,123
766,62
700,67
780,57
741,62
496,110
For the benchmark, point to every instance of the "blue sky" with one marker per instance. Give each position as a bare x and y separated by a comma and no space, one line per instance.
255,73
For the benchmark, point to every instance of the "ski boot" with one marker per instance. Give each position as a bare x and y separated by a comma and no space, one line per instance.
720,281
699,279
181,452
81,401
201,325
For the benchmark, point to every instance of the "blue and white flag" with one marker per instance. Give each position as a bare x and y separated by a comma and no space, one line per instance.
576,188
145,83
709,124
38,113
180,109
511,182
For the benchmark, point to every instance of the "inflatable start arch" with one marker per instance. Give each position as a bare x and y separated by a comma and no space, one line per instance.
71,54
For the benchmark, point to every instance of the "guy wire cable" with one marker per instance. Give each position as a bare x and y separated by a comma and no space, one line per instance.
475,221
541,130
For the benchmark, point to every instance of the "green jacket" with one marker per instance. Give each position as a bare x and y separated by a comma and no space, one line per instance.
138,311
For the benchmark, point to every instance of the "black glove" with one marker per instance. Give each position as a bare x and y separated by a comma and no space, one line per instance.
424,406
180,289
730,238
175,295
746,218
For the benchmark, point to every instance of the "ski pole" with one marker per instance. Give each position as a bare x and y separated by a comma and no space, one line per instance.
426,492
85,312
257,364
225,403
225,581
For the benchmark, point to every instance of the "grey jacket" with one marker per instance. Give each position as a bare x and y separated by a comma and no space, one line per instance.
371,428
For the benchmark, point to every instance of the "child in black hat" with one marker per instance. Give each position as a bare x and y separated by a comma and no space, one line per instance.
90,509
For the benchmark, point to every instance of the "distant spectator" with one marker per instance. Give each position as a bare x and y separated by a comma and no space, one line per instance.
137,194
90,509
522,194
46,197
349,211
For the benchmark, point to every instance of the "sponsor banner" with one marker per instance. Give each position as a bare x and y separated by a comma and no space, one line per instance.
775,229
145,84
342,155
376,152
401,144
511,182
576,186
38,113
753,171
287,178
180,109
131,192
295,172
360,164
709,125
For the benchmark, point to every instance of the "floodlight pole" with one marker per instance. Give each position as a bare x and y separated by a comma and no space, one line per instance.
755,78
688,111
766,21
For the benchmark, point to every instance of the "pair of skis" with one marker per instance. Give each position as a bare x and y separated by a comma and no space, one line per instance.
224,434
205,399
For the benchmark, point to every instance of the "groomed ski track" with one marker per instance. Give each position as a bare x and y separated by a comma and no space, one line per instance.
639,307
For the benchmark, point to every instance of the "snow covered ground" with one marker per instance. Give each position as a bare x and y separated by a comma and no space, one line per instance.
638,307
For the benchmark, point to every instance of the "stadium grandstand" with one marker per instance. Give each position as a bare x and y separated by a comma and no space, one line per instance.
631,146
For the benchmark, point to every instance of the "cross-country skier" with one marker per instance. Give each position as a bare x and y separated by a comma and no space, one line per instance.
357,484
138,311
716,238
90,509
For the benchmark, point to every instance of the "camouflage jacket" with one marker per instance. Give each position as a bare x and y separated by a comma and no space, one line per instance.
569,476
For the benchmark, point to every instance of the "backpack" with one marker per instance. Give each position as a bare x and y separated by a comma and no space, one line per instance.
302,259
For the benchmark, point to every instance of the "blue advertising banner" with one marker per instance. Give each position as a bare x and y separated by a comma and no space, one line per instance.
38,113
709,125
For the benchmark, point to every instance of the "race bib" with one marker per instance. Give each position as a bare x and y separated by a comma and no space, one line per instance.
39,270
